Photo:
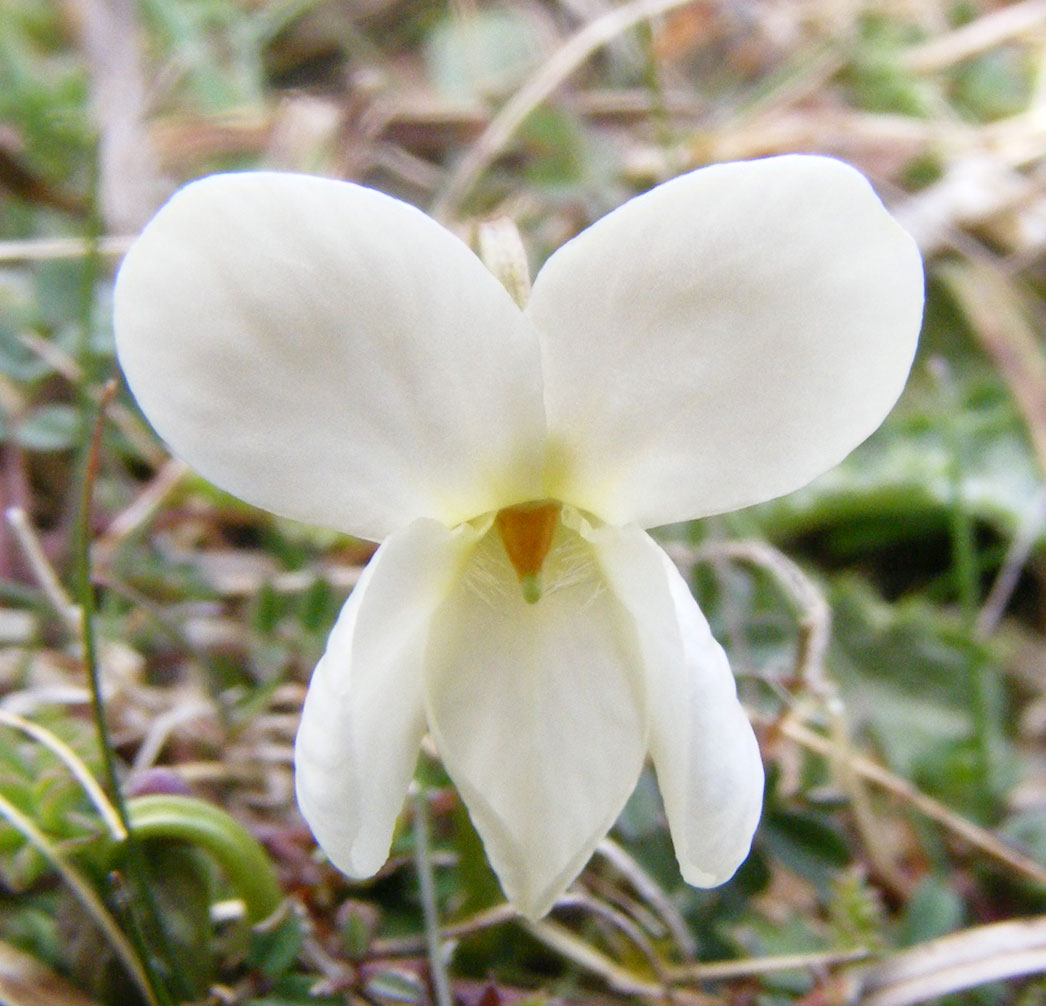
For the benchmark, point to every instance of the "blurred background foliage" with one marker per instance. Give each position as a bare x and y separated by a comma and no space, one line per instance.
887,623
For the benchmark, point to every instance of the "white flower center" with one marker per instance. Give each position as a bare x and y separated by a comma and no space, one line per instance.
527,531
537,551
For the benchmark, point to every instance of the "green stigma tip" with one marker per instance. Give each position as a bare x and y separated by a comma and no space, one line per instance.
530,583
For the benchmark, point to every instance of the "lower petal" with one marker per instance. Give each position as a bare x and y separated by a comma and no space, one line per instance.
704,750
537,713
364,714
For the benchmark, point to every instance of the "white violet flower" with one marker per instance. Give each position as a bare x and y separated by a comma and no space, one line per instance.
334,355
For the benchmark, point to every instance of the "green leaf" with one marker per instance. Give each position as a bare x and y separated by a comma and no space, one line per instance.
994,85
485,54
49,428
275,950
806,842
397,986
557,153
1027,830
907,674
878,79
181,883
60,290
17,361
897,487
935,909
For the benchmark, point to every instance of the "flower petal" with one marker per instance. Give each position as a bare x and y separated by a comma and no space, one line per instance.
364,716
330,353
705,753
723,339
537,713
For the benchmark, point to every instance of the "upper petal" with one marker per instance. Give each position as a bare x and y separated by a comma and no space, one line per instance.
330,353
723,339
537,713
364,716
705,753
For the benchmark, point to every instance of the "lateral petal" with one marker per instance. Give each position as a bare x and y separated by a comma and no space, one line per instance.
537,713
364,715
723,339
704,750
330,353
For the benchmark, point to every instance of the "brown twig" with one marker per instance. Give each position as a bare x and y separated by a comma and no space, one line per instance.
952,963
572,54
980,838
978,36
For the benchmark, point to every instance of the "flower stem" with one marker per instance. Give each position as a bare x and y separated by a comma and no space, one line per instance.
426,883
237,852
84,590
967,587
